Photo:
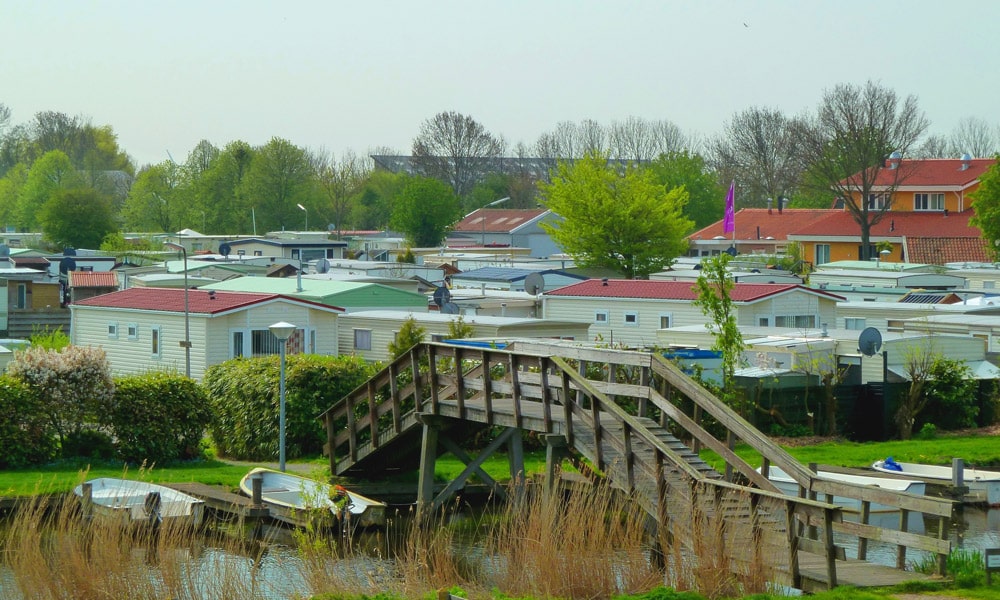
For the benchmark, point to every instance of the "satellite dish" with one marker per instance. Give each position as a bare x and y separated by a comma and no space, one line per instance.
67,264
534,283
731,251
225,249
322,265
69,251
450,308
870,341
442,296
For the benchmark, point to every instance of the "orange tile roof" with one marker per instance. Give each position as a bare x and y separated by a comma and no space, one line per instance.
93,279
909,224
941,250
199,301
768,223
498,220
933,172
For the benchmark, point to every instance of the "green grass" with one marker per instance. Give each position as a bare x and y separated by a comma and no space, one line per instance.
978,451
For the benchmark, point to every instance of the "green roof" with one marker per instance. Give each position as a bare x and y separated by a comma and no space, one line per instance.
345,294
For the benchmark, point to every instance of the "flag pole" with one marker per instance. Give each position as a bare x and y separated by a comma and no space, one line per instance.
729,222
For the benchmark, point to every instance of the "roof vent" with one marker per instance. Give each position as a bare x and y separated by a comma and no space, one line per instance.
604,281
894,159
211,294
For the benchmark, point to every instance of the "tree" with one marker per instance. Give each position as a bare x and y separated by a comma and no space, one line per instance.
49,174
410,334
758,149
456,149
219,191
974,137
79,218
639,140
986,206
158,200
281,176
372,205
706,198
424,211
341,181
918,361
11,185
623,221
849,149
715,286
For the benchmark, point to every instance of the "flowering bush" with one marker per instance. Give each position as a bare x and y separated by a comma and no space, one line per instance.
73,385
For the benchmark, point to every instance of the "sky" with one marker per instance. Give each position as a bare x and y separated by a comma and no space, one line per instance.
333,76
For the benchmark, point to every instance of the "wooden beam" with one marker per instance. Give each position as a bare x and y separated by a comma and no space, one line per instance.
428,457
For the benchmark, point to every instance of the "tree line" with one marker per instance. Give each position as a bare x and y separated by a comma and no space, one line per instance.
71,179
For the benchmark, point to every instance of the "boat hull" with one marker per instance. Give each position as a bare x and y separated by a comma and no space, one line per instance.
789,486
984,486
140,502
298,500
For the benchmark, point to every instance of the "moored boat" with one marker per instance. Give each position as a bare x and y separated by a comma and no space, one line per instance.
984,486
139,501
787,485
292,498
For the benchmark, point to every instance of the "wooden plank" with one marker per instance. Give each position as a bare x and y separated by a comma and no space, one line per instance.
890,536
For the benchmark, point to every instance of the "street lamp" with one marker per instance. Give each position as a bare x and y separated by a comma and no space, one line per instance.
494,203
307,215
282,331
186,343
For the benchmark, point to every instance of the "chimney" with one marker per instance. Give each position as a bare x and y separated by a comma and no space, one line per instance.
211,294
758,232
946,212
781,203
604,281
769,206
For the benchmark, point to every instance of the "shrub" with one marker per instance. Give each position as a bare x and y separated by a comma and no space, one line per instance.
26,436
159,417
245,401
73,384
89,443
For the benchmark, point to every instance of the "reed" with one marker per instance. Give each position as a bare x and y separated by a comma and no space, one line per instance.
586,542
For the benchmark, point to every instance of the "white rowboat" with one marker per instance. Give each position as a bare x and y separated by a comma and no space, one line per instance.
291,496
787,485
984,486
139,501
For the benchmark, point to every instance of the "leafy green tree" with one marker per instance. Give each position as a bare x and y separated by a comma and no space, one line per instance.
424,210
372,205
623,221
219,191
410,334
715,286
281,176
706,198
50,173
341,181
80,218
951,390
158,200
11,185
986,206
458,329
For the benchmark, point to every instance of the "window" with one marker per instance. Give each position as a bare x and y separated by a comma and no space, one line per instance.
763,322
241,252
258,253
362,339
928,201
133,331
822,253
22,295
113,330
263,343
632,318
155,345
879,201
989,284
665,321
237,350
799,321
601,317
854,323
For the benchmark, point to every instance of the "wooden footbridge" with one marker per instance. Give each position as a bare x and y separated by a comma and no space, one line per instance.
640,422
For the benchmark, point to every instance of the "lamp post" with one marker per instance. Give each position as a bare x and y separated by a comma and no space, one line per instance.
307,215
282,331
186,344
494,203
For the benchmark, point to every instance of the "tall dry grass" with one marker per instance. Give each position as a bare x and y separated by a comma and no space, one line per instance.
584,543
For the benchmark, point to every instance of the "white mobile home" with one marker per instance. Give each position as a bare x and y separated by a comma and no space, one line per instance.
144,329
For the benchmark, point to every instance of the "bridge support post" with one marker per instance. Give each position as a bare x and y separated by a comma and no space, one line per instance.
555,451
428,457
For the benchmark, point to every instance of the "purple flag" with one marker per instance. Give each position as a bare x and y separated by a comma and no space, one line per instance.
729,222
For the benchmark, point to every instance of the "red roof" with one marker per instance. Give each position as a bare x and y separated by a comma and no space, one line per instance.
199,301
761,223
909,224
498,220
933,172
672,290
941,250
93,279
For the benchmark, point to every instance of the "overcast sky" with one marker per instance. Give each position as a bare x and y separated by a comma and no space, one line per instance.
354,75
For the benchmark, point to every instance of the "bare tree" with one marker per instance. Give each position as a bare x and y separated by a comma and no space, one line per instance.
974,137
592,138
340,181
853,146
758,149
456,149
668,138
934,146
632,140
